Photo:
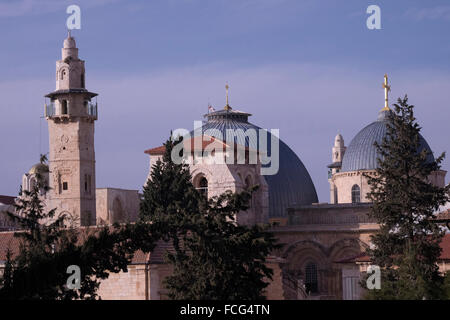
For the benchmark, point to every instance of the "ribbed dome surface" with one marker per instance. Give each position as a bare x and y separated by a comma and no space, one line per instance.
292,185
361,154
38,168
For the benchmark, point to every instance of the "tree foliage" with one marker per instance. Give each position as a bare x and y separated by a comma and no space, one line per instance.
213,257
47,249
404,203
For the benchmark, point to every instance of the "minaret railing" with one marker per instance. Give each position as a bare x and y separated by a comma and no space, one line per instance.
92,110
49,110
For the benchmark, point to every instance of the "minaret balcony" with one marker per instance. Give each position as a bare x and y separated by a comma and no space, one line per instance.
91,111
50,110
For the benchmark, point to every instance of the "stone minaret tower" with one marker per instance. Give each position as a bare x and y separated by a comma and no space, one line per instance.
71,115
338,151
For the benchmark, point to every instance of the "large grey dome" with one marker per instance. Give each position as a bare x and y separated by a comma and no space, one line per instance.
292,185
362,154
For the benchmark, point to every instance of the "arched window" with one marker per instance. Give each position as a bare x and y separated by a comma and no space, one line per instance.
64,107
248,182
82,80
311,283
356,194
62,74
203,187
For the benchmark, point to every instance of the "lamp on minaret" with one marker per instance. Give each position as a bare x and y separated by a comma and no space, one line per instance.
386,88
71,115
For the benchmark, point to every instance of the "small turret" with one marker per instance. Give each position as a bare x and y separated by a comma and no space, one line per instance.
338,149
69,48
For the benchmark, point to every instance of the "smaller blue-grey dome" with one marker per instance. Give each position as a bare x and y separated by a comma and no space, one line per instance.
362,154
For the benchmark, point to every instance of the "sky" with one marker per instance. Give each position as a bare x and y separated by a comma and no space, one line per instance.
310,68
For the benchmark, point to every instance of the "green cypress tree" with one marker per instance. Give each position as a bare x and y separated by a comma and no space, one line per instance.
47,249
219,259
213,257
6,280
404,203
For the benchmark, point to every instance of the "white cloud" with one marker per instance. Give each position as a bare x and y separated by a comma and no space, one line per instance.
432,13
35,7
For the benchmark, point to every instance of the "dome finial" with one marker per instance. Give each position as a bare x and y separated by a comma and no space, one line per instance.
227,106
386,88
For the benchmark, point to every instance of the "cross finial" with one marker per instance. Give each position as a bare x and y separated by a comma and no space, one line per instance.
227,106
386,88
226,88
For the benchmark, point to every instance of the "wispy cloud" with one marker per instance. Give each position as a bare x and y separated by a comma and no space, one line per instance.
19,8
433,13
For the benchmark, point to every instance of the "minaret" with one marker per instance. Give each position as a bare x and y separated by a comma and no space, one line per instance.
338,152
71,115
338,149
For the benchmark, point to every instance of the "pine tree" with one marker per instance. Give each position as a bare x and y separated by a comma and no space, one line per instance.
219,259
404,202
47,249
6,280
213,257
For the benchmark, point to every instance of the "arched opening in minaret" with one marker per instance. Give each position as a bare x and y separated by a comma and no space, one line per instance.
82,80
64,109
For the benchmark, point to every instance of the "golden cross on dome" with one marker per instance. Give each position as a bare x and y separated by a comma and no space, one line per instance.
386,88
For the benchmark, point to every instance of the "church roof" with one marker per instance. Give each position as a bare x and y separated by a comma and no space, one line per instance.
38,168
292,185
362,154
8,200
205,142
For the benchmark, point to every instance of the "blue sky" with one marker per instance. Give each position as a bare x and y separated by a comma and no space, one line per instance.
309,68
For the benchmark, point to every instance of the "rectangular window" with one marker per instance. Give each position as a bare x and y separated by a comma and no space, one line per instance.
65,186
87,183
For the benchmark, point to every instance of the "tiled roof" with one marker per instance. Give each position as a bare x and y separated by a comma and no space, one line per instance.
204,143
7,200
9,241
444,215
156,151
